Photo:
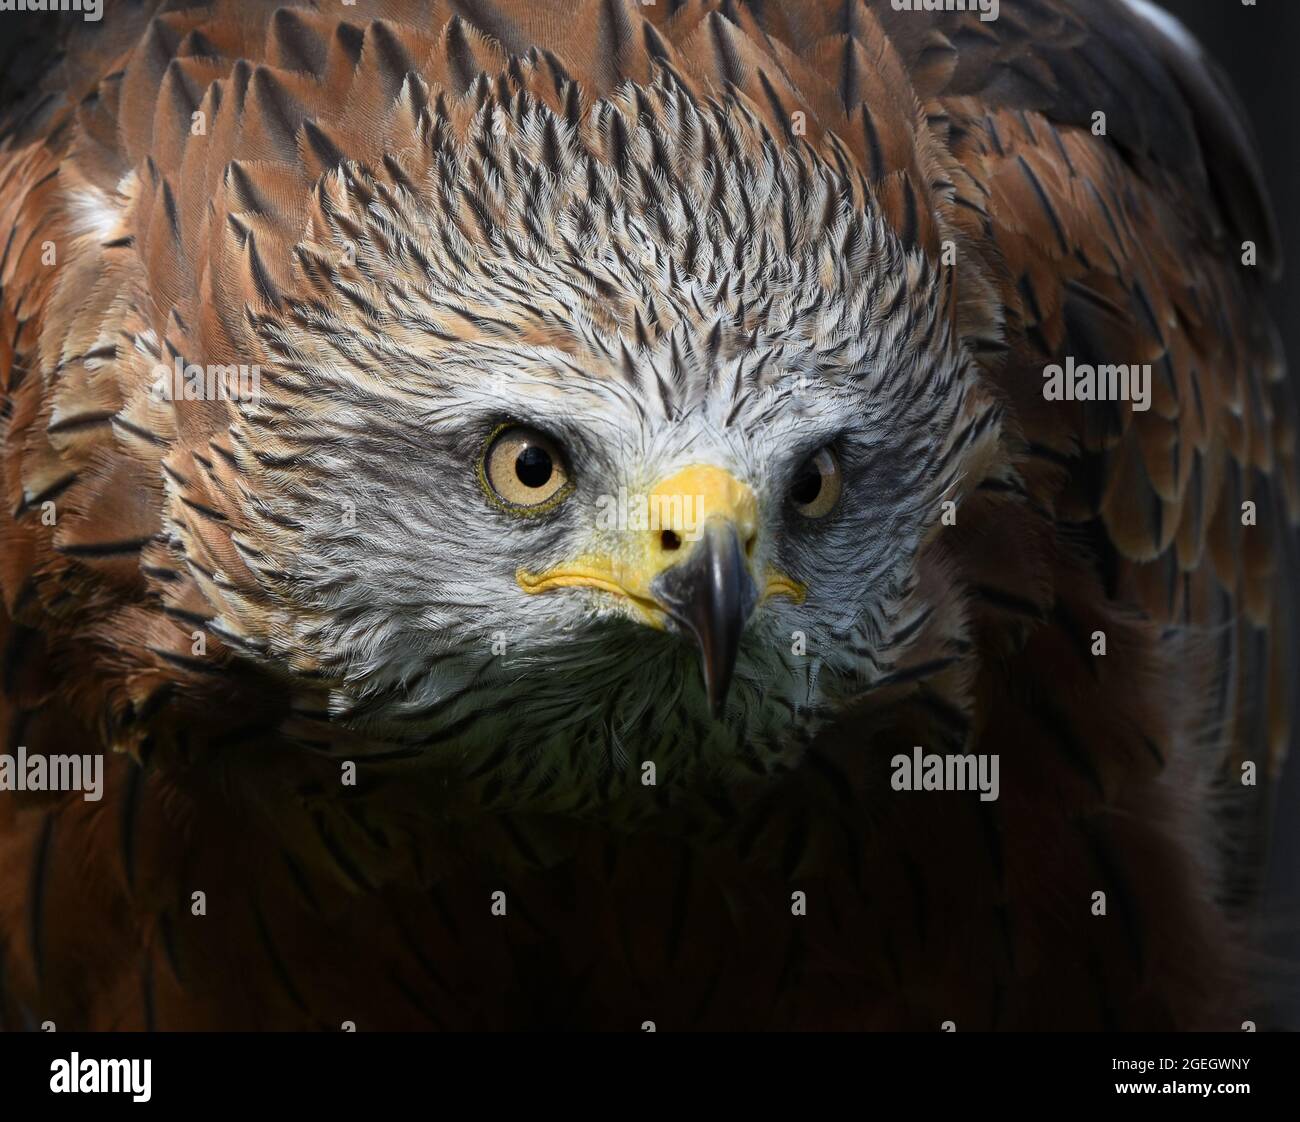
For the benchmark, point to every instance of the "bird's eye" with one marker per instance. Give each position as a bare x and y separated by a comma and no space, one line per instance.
816,486
524,469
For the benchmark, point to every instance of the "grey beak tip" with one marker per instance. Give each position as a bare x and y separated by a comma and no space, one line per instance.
711,596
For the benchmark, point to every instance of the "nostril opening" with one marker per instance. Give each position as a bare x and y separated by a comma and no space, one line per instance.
750,543
670,541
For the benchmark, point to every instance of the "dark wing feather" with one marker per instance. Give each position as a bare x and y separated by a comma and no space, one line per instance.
1132,251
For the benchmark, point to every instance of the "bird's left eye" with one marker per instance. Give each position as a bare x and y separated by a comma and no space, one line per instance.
816,487
524,468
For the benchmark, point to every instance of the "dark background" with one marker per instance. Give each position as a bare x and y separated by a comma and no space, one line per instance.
1257,47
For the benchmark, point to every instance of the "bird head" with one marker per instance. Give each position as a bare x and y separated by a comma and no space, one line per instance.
586,445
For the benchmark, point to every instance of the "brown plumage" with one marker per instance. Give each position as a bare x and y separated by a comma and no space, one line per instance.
196,170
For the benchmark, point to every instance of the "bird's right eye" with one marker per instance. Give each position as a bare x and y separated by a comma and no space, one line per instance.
524,469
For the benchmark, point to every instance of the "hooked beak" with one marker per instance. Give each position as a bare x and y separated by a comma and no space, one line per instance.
711,596
702,583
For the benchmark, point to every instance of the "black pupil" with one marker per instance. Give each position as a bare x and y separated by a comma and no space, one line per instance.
807,485
534,467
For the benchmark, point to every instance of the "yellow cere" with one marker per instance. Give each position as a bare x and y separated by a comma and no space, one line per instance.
680,504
